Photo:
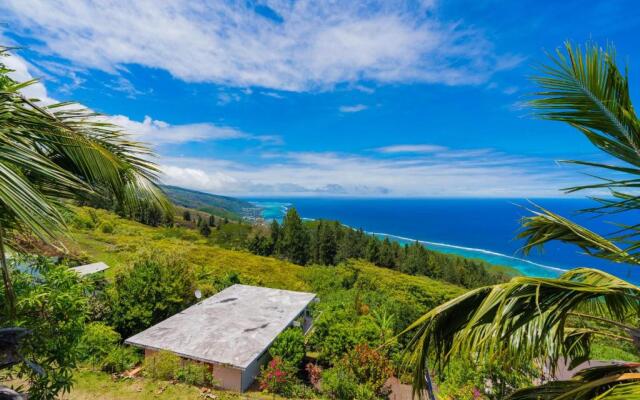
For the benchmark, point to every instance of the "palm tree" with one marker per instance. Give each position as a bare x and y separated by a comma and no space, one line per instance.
552,321
51,154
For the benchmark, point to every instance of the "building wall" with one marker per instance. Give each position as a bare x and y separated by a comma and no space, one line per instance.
227,377
252,371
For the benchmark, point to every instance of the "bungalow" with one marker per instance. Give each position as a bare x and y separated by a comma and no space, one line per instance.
231,331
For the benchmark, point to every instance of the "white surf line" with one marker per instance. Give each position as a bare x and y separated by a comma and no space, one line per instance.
469,249
452,246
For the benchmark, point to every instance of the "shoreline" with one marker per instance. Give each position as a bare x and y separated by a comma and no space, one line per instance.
523,266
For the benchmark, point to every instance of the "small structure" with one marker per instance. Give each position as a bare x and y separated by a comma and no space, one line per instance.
89,269
231,331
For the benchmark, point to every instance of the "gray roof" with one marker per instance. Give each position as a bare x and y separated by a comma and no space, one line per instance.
232,327
90,268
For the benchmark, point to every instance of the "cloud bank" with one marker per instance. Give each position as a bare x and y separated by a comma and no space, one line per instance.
396,170
444,173
285,45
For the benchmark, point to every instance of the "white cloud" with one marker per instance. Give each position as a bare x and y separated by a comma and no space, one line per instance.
158,132
412,148
24,71
309,45
197,179
122,84
272,94
353,109
154,132
448,173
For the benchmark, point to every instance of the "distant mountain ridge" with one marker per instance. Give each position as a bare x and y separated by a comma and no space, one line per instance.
223,206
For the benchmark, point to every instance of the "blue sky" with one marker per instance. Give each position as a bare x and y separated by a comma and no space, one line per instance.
323,98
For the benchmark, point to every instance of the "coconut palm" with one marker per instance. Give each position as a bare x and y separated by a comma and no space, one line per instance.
553,321
50,154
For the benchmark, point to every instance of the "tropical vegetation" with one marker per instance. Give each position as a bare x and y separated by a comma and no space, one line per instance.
51,154
555,322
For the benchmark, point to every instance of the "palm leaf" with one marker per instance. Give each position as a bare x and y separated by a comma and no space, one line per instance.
545,226
524,319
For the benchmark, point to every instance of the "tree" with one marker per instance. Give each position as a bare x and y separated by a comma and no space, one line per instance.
528,318
289,346
372,251
327,244
205,230
276,235
52,153
53,307
186,215
212,221
294,244
156,286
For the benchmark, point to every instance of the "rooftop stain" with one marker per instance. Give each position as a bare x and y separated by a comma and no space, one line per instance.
257,327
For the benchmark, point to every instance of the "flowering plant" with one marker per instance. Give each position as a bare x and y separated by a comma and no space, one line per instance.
276,377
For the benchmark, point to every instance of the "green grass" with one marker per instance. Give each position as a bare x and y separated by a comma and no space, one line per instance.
605,350
91,385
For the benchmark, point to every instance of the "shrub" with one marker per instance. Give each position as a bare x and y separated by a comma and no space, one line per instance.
461,382
339,383
314,372
52,305
157,286
289,346
120,359
167,366
195,373
106,228
368,366
97,342
161,365
277,377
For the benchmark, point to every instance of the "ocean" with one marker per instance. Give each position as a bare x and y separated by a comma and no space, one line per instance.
477,228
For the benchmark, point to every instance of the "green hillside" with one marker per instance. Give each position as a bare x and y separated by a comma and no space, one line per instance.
222,206
117,248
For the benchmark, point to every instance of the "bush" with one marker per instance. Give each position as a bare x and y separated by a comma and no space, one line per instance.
339,383
314,372
368,366
195,373
53,306
167,366
107,228
461,382
157,286
97,342
277,377
289,346
162,365
120,359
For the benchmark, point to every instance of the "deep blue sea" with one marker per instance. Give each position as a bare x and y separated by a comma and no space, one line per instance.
479,228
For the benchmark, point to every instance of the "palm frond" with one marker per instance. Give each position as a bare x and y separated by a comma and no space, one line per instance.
525,319
592,383
545,226
585,89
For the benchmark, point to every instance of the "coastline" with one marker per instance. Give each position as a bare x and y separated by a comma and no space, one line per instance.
276,210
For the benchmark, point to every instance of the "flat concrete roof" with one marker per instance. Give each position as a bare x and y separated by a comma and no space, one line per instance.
90,268
233,327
